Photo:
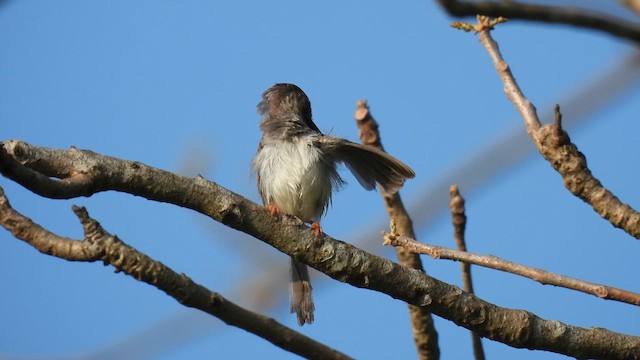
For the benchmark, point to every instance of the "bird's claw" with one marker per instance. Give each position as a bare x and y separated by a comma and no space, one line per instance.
317,229
273,209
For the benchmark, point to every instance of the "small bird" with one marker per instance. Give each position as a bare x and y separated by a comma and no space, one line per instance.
296,168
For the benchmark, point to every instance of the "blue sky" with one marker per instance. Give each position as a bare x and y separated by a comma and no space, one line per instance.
175,84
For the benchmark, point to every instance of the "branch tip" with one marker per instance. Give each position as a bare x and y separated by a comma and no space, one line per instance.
557,117
362,111
390,238
362,104
484,23
387,239
81,212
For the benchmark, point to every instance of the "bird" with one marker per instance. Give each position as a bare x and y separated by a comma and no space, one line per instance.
296,167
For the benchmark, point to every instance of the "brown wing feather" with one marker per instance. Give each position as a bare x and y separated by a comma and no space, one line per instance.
368,164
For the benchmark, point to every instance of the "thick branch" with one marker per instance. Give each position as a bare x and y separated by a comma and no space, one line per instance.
425,335
98,244
335,258
552,14
542,276
555,146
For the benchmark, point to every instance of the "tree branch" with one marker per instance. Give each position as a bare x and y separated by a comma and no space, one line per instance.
542,276
339,260
425,335
551,14
459,220
98,244
556,147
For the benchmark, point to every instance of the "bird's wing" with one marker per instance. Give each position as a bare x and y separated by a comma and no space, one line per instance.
368,164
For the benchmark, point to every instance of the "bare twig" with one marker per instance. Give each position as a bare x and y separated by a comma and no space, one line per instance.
98,244
337,259
542,13
556,147
425,335
542,276
459,220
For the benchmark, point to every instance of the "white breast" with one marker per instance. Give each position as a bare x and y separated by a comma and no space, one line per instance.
294,177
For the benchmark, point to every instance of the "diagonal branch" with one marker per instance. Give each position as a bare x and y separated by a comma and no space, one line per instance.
98,245
556,147
425,335
551,14
542,276
337,259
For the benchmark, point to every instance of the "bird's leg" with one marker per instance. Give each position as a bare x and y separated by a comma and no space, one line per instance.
317,229
273,209
286,218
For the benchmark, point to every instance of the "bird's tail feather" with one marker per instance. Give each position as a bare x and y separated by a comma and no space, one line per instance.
300,293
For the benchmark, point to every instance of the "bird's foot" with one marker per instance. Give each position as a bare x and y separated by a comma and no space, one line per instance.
317,229
273,209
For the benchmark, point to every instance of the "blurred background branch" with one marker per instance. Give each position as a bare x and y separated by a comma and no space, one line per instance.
574,16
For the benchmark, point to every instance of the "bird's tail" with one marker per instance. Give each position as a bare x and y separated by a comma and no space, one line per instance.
300,293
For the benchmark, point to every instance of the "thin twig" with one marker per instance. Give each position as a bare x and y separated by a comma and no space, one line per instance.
556,147
337,259
98,245
542,276
425,335
459,220
551,14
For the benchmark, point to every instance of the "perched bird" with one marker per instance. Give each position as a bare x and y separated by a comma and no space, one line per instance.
296,168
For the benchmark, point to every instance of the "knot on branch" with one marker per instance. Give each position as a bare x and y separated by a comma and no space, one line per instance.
17,150
9,155
231,214
556,147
